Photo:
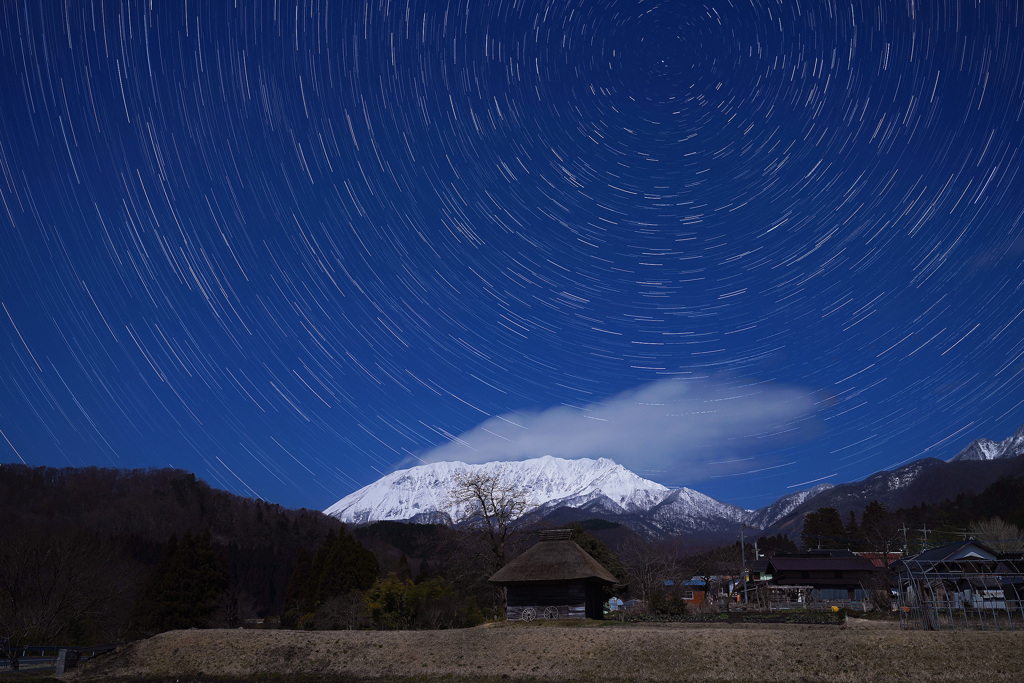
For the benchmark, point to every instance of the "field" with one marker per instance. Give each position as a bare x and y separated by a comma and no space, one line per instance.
860,651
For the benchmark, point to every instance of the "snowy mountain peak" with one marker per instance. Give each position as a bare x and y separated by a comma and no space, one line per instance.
986,449
567,489
770,514
423,491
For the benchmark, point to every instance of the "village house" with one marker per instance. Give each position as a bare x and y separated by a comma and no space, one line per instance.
555,579
693,591
834,577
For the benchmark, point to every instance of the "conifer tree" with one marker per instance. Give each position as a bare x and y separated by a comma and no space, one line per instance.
823,528
295,594
852,530
341,565
185,586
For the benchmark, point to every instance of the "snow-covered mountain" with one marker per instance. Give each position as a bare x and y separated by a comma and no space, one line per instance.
421,493
770,514
986,449
596,488
601,488
686,511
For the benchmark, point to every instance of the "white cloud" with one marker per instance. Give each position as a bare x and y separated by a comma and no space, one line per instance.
686,428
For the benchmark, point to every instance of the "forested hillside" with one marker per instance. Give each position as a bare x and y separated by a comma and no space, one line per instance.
995,516
115,528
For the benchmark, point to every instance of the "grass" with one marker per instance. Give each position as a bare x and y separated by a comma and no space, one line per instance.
606,651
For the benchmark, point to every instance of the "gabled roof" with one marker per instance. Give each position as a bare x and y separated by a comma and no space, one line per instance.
757,565
961,550
554,558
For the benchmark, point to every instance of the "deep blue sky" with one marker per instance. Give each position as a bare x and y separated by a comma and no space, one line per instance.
737,245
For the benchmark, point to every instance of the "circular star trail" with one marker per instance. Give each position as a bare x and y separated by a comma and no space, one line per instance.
292,245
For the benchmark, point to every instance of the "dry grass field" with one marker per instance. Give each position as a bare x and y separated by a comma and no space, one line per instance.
860,651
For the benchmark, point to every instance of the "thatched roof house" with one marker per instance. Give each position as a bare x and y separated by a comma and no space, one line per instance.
555,579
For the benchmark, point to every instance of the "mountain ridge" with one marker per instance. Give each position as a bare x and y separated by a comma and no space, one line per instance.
564,489
986,449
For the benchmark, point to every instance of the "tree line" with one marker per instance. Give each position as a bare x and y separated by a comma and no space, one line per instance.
994,516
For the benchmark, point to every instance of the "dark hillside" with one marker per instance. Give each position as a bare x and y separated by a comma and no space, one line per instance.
137,511
928,481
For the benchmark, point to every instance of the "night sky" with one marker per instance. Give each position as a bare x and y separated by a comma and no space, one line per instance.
743,246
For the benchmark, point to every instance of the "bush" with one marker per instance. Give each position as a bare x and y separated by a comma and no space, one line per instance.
343,613
393,603
668,603
449,611
307,622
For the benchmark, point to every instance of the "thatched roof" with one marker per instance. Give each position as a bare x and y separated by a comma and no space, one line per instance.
554,558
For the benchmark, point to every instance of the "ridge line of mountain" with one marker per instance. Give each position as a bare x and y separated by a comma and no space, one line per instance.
575,489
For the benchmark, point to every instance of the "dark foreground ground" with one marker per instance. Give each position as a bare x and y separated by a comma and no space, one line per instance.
860,651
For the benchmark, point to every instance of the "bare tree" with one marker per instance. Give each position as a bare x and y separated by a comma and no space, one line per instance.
1001,536
648,565
880,530
492,504
52,585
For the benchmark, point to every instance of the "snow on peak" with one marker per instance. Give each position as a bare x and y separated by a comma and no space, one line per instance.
986,449
424,490
770,514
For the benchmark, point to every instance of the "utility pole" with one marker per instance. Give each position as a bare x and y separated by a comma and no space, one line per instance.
743,558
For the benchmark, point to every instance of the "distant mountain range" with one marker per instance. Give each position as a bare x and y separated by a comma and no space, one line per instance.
569,490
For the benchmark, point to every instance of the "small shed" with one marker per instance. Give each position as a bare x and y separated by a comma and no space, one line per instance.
555,579
694,591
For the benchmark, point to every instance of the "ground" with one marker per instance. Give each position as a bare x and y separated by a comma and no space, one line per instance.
859,651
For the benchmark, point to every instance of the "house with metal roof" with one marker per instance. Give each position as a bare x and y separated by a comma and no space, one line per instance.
832,577
554,579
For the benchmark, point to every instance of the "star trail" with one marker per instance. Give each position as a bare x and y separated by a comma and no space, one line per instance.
291,246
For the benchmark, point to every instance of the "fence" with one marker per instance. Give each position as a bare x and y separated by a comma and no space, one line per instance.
771,597
959,596
57,658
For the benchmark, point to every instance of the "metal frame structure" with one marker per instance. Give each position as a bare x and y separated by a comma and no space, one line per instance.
962,594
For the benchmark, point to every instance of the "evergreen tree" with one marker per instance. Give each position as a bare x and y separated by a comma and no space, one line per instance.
185,587
341,565
598,550
880,529
823,528
404,572
852,532
295,593
773,545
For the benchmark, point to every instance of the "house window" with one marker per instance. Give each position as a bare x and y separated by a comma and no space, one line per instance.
688,596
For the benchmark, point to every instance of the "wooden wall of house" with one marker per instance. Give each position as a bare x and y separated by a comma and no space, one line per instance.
595,602
546,594
576,600
563,612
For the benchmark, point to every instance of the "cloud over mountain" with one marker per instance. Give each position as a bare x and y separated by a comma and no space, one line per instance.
690,427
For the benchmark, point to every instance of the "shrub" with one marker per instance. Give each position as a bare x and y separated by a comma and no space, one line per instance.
393,603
